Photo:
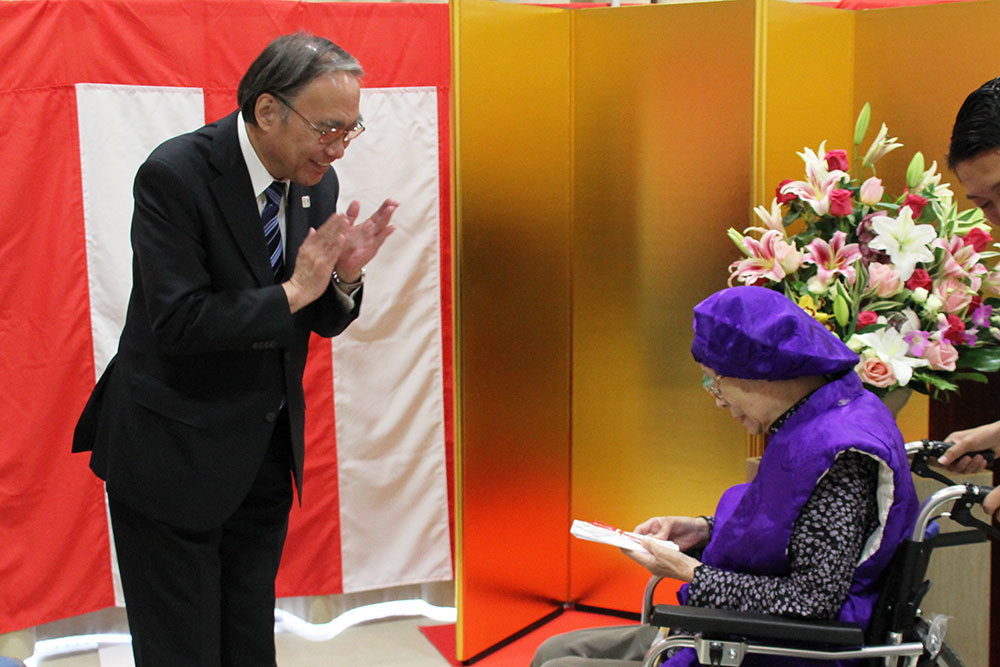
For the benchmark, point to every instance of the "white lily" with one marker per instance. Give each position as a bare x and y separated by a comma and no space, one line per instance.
882,145
932,180
891,347
773,219
906,242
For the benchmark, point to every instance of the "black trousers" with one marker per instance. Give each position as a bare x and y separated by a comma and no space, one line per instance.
206,598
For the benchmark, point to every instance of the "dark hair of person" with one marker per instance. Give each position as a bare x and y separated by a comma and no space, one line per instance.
287,65
977,126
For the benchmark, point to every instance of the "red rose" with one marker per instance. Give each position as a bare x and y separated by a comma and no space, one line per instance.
956,330
978,239
836,159
866,318
916,204
786,197
840,202
974,305
920,278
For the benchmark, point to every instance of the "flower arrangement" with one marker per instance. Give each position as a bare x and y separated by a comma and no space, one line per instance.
902,280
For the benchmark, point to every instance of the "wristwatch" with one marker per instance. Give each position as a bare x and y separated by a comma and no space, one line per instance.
346,285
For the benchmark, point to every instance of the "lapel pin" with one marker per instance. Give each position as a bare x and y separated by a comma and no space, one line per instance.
305,201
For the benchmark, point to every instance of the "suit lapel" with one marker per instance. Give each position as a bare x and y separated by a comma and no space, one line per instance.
234,194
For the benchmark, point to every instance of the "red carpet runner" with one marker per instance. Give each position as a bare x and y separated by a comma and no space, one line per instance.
519,652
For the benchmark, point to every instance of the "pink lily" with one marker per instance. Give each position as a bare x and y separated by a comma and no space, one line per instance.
770,258
821,181
833,258
960,260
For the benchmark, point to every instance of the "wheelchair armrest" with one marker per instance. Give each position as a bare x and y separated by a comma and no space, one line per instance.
647,598
753,625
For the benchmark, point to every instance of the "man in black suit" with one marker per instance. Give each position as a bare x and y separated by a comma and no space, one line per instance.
195,425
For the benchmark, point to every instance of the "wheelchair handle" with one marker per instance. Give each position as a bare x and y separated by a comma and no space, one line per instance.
966,494
936,448
979,492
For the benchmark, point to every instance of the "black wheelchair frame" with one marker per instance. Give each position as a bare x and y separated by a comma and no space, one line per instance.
897,636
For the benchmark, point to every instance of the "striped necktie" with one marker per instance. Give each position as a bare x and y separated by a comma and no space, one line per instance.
272,231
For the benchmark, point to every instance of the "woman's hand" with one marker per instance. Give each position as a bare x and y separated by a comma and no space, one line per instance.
685,531
664,561
976,439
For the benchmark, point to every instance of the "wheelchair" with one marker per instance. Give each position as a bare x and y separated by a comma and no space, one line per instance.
897,636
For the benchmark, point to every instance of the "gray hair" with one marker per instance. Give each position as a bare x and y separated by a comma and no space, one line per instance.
287,65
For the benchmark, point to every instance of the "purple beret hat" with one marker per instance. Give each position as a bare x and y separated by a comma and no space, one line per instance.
757,333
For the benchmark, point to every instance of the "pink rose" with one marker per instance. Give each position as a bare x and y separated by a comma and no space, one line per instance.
941,356
875,372
883,279
866,318
871,191
836,159
978,239
840,202
786,197
916,204
920,278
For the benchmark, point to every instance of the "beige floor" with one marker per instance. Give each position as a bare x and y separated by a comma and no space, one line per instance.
389,643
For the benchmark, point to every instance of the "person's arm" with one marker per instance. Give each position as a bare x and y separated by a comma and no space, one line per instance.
824,549
194,299
975,439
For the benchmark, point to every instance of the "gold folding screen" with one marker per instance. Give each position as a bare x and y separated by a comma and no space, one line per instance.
662,118
512,297
600,156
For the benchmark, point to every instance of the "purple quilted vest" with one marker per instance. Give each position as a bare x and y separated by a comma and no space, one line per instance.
753,522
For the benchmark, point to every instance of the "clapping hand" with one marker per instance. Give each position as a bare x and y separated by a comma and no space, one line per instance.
363,240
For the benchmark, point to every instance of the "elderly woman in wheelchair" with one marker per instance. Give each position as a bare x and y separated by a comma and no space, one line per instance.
810,536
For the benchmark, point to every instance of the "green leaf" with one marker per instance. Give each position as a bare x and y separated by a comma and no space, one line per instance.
861,125
939,383
983,359
972,377
876,306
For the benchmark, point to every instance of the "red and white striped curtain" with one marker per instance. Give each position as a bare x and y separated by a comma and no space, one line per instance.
87,89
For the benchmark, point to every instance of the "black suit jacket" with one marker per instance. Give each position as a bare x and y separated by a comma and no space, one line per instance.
181,418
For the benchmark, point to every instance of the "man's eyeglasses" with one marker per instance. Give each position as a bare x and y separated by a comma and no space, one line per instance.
712,386
327,135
